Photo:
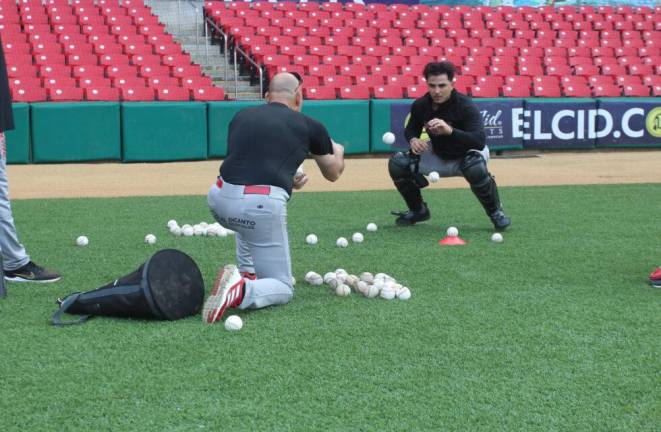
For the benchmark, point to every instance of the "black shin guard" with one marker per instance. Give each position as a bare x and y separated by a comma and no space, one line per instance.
404,173
482,183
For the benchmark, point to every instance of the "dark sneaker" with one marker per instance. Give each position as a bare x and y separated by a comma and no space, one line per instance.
411,217
227,292
31,272
500,220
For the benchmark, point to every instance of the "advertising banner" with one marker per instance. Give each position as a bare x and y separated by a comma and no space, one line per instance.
627,122
556,123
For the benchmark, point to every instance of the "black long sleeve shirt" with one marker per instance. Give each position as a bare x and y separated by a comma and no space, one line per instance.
6,115
461,113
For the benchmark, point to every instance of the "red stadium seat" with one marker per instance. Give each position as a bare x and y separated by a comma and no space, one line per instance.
516,91
637,90
137,94
600,90
546,90
416,91
65,94
354,92
210,93
322,93
577,90
388,92
485,91
172,94
102,94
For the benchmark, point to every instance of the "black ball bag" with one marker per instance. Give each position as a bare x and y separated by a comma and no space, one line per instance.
168,286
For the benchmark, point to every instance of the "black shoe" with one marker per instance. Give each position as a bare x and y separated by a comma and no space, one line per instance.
31,272
500,220
411,217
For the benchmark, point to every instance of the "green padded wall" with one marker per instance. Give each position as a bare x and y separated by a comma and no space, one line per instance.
18,139
347,122
379,124
219,116
164,131
67,132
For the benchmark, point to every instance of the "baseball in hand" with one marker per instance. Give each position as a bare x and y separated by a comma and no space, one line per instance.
371,227
434,177
233,323
388,138
497,238
311,239
82,241
342,242
150,239
357,237
453,231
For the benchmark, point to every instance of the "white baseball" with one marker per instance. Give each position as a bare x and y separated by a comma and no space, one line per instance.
453,231
388,138
176,231
351,280
311,239
82,241
212,231
199,230
172,223
229,232
299,170
357,237
497,237
404,293
328,276
233,323
372,291
293,281
150,239
433,177
221,232
362,287
187,231
342,242
387,292
367,277
371,227
342,290
334,283
204,225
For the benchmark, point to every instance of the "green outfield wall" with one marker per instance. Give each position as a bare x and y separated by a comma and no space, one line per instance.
171,131
18,140
74,132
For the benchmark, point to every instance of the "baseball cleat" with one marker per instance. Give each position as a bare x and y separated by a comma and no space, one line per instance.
32,272
411,217
500,220
655,278
227,292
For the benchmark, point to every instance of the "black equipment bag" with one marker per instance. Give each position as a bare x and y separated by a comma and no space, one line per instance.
168,286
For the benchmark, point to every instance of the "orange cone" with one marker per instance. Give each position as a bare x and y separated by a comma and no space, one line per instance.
451,241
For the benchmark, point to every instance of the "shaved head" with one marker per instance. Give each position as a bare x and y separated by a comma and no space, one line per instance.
285,88
283,82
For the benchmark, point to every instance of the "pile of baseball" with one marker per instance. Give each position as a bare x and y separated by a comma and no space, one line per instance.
201,229
367,284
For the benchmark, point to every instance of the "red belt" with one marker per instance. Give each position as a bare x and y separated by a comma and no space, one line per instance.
250,189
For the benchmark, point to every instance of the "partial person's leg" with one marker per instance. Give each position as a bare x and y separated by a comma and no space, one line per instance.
243,256
482,183
269,247
13,252
260,221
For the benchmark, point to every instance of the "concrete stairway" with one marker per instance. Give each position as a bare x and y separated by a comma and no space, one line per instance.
184,20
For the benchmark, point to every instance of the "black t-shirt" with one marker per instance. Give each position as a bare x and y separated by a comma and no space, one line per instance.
461,113
267,143
6,115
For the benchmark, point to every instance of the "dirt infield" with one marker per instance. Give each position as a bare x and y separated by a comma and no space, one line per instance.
194,178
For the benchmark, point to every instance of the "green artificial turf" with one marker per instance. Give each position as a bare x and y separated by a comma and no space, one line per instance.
556,328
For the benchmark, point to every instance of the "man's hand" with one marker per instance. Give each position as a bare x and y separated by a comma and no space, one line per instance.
418,146
438,127
299,180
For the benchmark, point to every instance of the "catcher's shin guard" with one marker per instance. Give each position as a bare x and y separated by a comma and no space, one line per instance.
403,169
483,185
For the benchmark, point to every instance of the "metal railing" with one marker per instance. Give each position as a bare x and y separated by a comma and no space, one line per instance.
235,49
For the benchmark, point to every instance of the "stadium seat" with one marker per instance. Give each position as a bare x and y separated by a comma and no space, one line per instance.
606,91
637,90
101,94
65,94
137,94
319,93
172,94
388,92
354,92
546,90
577,90
516,91
485,91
